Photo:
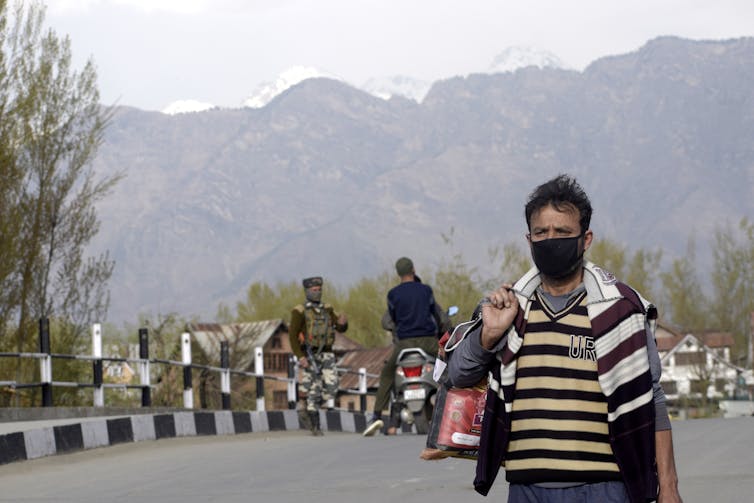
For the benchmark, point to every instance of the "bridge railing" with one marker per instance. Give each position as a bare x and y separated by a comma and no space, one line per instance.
144,363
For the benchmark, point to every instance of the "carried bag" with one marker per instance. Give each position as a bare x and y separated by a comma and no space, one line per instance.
458,413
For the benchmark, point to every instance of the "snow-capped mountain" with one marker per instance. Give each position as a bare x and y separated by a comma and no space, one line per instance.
509,60
513,58
400,85
266,92
186,106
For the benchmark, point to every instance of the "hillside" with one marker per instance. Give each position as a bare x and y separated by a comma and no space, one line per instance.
327,179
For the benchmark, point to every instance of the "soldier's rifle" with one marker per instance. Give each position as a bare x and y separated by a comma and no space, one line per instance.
310,359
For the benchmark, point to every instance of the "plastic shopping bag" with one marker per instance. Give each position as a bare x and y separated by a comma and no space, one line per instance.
457,417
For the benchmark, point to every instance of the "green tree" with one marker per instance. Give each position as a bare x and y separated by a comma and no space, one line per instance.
11,173
610,255
224,314
637,270
733,282
515,261
642,270
683,299
454,285
164,332
264,302
51,124
365,302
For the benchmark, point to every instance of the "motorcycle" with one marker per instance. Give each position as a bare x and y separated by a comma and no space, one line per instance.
414,388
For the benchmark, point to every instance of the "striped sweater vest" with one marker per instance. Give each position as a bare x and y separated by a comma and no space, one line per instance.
559,416
617,315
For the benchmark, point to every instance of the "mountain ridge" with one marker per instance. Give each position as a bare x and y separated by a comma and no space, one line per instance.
327,179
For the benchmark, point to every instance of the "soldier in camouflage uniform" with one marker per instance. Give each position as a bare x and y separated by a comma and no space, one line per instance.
312,335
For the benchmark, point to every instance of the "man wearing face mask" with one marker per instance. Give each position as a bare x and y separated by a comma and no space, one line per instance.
312,335
575,411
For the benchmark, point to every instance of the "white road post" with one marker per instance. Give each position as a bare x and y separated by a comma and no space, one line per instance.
259,371
146,392
363,388
225,374
188,391
362,381
292,380
99,391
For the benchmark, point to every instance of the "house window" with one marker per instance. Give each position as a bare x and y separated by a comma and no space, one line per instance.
699,386
691,358
670,387
276,362
276,342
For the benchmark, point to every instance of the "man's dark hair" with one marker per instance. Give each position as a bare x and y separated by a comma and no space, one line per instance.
560,192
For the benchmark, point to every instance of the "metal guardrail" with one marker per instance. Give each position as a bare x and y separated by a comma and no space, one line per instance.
143,364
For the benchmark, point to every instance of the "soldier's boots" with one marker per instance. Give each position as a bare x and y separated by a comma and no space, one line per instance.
314,422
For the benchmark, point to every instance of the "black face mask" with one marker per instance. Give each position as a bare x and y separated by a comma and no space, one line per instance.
312,296
557,258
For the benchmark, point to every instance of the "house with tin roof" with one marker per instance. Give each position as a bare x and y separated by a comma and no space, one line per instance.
242,339
372,360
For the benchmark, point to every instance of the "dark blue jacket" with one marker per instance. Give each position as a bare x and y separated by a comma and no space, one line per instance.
412,307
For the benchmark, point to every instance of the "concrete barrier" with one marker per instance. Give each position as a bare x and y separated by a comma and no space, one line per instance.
36,439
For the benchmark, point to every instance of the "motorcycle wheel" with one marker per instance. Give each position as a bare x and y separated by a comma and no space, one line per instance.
423,418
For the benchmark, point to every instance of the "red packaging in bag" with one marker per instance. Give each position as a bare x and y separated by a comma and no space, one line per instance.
462,417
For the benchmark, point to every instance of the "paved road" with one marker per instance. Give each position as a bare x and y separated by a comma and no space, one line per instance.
715,460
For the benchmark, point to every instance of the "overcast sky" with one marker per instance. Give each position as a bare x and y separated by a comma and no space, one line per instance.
150,53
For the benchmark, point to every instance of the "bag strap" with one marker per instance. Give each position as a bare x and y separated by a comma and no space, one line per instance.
461,331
